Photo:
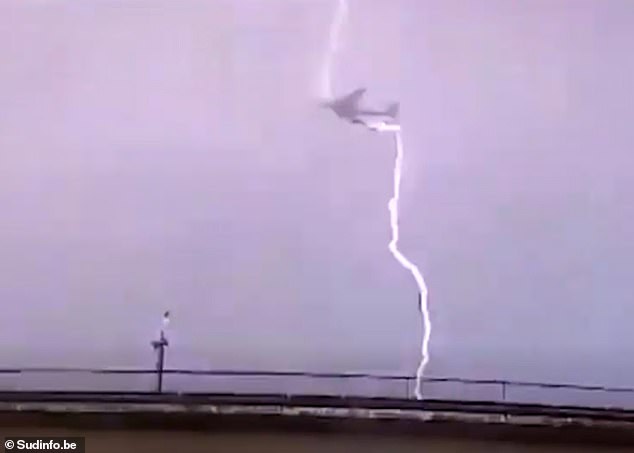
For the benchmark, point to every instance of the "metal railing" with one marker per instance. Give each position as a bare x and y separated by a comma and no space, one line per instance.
301,382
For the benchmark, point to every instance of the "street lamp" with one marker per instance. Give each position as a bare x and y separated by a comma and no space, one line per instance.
159,346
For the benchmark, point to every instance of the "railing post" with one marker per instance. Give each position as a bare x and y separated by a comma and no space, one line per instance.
504,392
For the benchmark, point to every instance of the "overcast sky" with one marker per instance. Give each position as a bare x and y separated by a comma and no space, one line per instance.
170,154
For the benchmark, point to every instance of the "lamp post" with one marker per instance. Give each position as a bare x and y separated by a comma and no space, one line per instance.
159,346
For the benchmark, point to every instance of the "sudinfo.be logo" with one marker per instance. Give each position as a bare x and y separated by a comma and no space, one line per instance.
74,445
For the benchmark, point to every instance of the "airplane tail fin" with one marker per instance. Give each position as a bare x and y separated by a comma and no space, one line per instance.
393,110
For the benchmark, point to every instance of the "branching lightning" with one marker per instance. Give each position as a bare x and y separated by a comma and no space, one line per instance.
407,264
334,34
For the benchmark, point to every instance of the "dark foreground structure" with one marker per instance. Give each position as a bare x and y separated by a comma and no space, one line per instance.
261,423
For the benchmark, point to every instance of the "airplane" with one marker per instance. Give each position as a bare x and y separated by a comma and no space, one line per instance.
347,108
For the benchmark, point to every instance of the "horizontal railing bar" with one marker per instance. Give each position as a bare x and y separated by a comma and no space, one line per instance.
318,375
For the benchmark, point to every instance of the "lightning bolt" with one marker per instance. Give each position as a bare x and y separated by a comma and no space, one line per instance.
326,92
341,12
407,264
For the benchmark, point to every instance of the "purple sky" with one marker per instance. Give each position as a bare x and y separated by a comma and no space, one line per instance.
169,154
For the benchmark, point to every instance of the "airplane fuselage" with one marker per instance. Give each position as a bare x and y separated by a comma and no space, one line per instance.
347,108
372,113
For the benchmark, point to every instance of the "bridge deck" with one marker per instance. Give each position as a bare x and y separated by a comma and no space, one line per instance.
482,420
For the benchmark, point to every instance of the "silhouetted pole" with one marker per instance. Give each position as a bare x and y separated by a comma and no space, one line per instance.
159,346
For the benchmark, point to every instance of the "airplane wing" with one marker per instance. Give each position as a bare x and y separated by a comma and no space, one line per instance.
353,98
377,126
347,106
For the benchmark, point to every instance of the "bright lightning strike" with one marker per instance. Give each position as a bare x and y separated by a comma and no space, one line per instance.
333,45
326,92
407,264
